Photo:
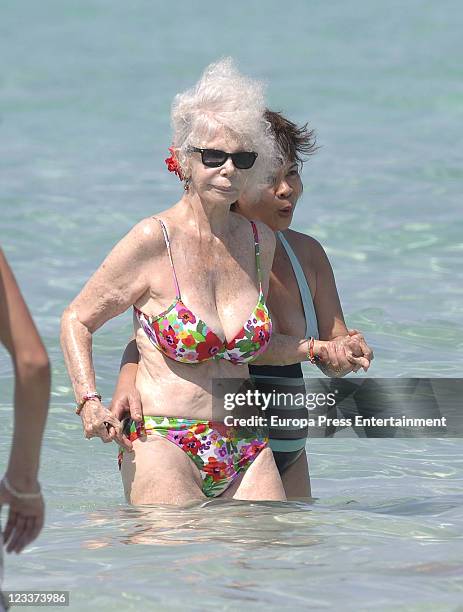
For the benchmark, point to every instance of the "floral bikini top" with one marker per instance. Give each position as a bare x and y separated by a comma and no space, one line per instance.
180,335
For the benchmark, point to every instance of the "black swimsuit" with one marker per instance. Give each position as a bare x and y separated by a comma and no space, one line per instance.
287,443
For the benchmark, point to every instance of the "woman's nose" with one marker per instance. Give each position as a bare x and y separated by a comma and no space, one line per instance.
284,190
227,168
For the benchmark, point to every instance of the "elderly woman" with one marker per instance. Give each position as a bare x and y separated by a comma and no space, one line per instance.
303,300
217,266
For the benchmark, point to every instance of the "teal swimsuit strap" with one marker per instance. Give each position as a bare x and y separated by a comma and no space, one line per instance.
304,289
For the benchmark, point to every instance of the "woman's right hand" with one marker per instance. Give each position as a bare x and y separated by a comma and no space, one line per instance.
25,518
99,422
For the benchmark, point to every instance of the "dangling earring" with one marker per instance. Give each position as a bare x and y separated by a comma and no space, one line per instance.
186,183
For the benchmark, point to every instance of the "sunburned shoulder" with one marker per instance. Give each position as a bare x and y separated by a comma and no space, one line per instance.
146,235
2,256
3,263
307,248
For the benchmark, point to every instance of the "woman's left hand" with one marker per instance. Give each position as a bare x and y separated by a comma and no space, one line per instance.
335,356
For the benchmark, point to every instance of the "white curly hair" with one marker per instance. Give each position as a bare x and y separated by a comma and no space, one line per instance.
224,98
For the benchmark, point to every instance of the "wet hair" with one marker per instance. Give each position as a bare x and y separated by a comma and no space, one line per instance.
224,98
295,144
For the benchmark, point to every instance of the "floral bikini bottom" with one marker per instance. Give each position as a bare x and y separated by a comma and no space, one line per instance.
220,453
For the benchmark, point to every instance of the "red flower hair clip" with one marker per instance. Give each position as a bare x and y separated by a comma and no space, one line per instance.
173,165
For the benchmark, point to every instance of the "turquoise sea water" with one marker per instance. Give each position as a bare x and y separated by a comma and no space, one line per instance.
85,91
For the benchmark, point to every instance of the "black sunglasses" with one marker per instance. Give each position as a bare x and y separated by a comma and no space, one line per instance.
213,158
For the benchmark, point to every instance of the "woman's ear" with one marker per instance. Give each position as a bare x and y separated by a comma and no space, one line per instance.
184,160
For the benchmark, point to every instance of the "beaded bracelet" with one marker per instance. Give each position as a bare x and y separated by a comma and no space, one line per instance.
18,494
310,354
87,396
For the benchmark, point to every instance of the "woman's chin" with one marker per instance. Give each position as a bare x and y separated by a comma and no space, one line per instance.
282,224
228,196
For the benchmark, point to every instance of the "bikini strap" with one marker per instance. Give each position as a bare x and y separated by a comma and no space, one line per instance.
256,247
166,240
